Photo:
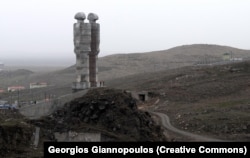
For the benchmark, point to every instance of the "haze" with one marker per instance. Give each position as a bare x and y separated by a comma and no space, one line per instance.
42,31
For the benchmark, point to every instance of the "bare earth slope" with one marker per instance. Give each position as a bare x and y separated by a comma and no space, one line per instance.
120,65
127,64
207,100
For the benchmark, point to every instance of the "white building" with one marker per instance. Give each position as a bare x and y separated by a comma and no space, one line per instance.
38,85
236,59
15,88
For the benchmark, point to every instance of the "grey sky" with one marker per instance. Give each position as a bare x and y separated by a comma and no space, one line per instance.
44,28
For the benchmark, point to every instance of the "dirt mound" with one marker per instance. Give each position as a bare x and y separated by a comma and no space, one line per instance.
15,134
108,111
15,139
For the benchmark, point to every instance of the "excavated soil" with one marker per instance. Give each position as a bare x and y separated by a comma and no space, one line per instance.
111,112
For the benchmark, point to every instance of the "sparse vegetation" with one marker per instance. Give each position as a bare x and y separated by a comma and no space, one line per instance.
212,100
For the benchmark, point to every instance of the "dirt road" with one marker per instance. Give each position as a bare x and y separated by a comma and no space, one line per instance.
166,124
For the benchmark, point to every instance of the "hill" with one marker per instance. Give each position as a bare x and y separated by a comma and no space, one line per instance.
212,100
207,99
127,64
121,65
16,77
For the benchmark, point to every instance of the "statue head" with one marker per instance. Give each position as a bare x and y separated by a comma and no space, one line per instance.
80,17
92,17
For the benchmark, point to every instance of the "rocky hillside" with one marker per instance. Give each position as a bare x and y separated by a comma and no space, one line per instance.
212,100
127,64
196,82
119,65
16,136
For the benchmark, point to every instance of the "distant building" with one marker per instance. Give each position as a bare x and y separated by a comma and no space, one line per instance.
226,56
38,85
15,88
236,59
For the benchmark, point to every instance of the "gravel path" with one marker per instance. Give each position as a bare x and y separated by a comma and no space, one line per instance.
166,124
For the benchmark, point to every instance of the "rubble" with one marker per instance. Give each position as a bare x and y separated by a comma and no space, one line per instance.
109,111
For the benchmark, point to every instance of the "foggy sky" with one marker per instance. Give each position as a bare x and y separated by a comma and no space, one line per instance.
44,28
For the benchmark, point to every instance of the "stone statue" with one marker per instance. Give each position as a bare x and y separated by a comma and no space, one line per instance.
95,41
86,48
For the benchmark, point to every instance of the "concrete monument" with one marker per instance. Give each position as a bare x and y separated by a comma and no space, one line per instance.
86,48
95,41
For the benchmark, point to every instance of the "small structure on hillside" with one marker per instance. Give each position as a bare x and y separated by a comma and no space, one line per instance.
38,85
15,88
142,95
236,59
226,56
86,48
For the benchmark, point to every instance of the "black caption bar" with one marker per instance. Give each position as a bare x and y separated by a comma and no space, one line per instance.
146,149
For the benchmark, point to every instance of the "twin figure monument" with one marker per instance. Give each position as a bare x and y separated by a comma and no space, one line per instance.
86,48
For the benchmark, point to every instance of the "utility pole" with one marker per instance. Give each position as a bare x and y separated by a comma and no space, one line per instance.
11,98
18,99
